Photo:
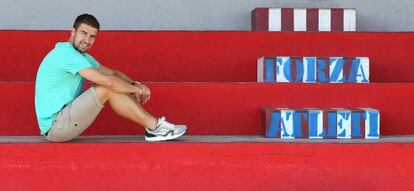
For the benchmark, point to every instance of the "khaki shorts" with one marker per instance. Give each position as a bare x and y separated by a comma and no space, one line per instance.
76,117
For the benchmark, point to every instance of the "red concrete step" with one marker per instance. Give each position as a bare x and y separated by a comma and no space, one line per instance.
208,139
219,56
225,108
206,166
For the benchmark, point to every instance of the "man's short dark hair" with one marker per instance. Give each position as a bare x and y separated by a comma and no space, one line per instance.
87,19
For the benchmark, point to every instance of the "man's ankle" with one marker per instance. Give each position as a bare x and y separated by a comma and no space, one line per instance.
152,125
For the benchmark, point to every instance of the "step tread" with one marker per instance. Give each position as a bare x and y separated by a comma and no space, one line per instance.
207,139
206,166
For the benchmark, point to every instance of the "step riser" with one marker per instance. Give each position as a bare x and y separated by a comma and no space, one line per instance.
225,108
196,166
210,56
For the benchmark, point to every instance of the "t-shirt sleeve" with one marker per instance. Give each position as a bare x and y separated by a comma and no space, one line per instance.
92,60
76,63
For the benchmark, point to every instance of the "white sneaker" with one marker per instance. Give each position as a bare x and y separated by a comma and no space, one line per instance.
164,131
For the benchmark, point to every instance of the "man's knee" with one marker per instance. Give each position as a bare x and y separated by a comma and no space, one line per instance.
105,94
102,92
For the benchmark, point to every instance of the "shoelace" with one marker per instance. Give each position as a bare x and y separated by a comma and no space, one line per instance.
167,125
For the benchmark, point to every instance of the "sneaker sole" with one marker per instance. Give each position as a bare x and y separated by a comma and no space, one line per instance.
160,138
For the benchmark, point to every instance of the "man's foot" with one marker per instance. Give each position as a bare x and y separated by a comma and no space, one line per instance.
164,131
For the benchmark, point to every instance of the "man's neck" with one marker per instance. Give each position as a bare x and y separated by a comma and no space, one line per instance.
71,42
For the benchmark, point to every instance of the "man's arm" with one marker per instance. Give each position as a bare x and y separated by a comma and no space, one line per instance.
111,82
142,97
108,71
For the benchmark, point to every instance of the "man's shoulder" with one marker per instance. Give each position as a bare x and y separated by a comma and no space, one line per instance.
92,60
66,53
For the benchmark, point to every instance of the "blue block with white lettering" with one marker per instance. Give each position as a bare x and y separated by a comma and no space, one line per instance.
285,123
321,123
284,69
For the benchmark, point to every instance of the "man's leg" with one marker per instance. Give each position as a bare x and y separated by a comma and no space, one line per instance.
125,106
76,117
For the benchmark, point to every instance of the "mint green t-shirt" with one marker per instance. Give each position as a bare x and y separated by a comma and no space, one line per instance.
58,82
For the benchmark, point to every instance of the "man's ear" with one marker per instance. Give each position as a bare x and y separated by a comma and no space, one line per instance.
72,32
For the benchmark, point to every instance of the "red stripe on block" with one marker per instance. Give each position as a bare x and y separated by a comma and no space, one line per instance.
325,123
260,19
304,123
287,19
312,20
337,19
293,69
347,67
361,123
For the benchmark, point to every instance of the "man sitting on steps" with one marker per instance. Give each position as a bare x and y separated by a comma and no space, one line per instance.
64,112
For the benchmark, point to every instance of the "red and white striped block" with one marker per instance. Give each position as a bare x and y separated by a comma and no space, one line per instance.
301,19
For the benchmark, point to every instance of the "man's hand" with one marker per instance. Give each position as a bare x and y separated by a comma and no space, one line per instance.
145,95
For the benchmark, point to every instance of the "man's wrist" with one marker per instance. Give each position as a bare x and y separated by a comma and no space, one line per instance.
135,82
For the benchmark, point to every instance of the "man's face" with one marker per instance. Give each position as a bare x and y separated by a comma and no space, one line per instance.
83,37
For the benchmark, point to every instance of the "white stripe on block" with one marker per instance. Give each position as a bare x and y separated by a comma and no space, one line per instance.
368,133
299,20
280,67
260,69
343,125
333,62
287,124
324,20
275,19
363,71
349,20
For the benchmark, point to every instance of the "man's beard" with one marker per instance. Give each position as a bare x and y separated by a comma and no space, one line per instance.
76,46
